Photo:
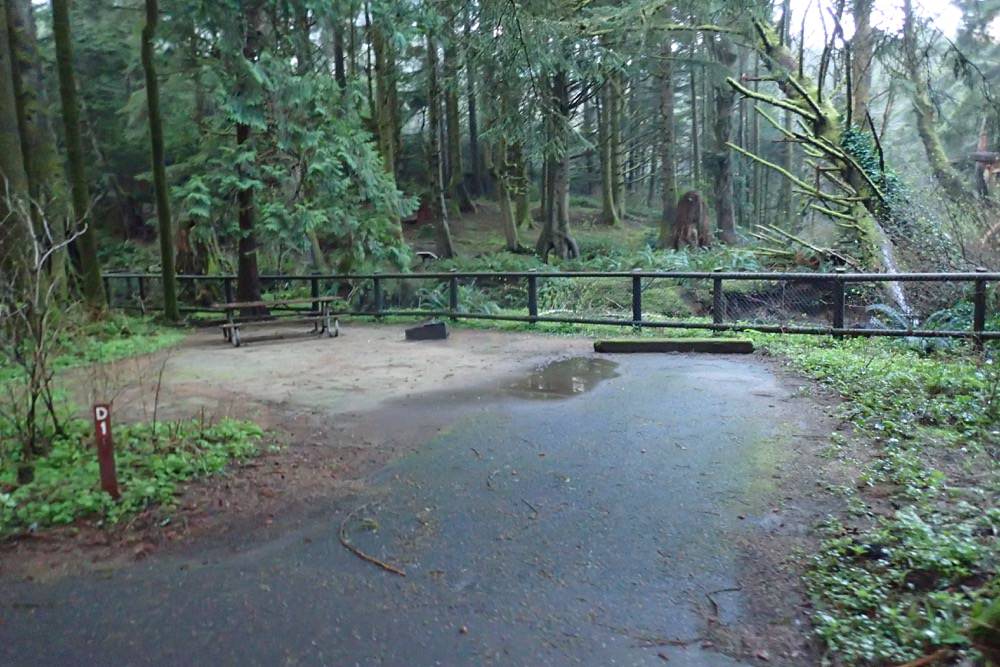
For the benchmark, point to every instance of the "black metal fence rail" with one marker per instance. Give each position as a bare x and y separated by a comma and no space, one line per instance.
136,287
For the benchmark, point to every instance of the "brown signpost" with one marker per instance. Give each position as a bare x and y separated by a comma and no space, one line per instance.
106,449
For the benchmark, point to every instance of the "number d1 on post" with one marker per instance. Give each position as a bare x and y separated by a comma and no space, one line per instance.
106,449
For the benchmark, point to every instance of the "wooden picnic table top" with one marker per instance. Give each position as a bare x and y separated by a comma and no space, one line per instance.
236,305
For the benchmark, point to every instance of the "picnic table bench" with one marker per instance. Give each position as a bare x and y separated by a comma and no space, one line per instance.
322,319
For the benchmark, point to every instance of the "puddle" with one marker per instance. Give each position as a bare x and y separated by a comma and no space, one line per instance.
567,377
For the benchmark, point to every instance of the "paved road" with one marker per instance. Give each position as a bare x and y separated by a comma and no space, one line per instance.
576,516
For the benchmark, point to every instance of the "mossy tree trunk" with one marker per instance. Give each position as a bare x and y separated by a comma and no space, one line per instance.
92,285
857,202
923,107
385,97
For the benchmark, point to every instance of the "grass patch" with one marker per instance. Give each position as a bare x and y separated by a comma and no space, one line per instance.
117,336
151,465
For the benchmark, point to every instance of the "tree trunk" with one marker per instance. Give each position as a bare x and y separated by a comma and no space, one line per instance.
339,73
721,159
695,134
862,53
46,187
93,286
652,176
522,187
14,188
369,75
609,212
631,148
668,179
456,178
861,205
945,175
159,171
439,213
588,157
616,119
384,98
470,95
502,176
39,154
555,236
248,287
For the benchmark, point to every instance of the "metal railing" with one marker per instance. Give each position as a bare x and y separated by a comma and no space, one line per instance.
830,288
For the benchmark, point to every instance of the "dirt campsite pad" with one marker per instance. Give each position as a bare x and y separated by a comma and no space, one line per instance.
534,503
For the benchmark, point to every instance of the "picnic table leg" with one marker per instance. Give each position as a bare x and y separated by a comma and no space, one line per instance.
326,320
234,332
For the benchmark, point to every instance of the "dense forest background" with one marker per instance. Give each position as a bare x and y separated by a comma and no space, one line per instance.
345,136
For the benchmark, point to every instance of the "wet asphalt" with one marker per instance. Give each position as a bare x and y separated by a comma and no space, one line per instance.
578,515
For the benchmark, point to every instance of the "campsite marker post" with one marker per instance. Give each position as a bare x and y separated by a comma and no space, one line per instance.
106,449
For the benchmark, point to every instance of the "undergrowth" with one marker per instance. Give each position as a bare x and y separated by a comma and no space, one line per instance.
151,462
116,336
899,579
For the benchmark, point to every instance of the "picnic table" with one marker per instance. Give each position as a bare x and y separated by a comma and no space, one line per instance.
322,318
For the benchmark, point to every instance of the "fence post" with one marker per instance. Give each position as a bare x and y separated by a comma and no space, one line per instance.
532,298
142,294
838,300
227,289
979,311
718,299
314,290
636,299
453,295
377,289
107,292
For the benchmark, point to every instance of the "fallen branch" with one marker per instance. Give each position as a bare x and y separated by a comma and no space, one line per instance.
715,605
358,552
531,507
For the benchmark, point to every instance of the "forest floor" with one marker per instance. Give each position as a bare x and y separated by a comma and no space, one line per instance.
548,506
